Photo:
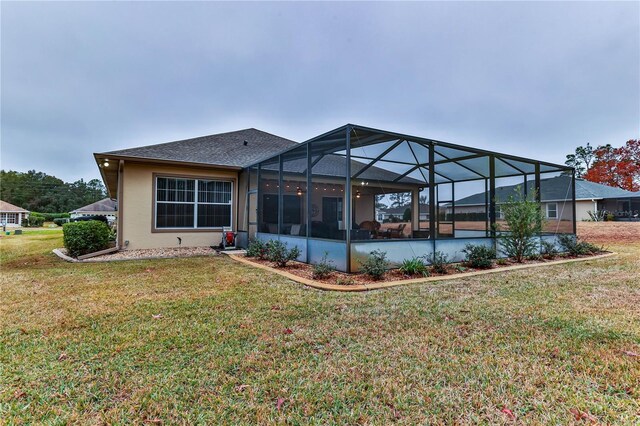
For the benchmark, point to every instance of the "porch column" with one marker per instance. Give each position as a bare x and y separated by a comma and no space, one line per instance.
347,196
415,209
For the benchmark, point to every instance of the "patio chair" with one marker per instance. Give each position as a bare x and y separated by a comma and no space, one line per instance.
396,232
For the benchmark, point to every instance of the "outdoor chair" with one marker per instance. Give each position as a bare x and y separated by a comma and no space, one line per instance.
396,232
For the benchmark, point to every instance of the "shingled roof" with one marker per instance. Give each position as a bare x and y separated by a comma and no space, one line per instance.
10,208
556,188
106,205
240,149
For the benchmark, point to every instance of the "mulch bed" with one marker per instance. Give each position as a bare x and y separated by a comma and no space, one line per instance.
305,270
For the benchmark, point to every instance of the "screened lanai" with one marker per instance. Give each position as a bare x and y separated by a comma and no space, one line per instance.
327,196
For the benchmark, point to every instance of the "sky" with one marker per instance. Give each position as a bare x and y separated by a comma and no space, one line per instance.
531,79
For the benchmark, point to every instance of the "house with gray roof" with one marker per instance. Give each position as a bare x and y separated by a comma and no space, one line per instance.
319,195
105,207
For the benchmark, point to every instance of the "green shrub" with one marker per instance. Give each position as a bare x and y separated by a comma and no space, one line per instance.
257,249
572,245
323,268
479,256
51,217
85,237
439,262
278,253
548,249
502,262
376,264
33,221
406,216
60,221
524,219
414,266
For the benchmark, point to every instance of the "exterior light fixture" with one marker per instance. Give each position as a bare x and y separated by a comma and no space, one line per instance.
357,194
299,191
106,162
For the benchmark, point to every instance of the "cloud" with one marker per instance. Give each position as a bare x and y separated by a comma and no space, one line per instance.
534,79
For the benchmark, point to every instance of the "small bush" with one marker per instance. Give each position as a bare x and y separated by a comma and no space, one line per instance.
85,237
34,220
572,245
50,217
323,268
439,262
278,253
479,256
502,262
257,249
60,221
460,268
414,266
524,219
548,250
345,281
376,264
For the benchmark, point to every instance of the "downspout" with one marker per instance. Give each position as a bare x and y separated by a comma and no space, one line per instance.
119,195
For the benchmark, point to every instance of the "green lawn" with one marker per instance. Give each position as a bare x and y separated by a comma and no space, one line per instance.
209,340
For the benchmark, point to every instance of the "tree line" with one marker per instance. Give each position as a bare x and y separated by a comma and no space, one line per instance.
617,167
40,192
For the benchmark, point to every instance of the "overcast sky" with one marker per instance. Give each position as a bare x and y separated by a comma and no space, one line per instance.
532,79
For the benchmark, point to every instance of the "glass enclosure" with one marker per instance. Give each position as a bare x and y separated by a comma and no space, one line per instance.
357,185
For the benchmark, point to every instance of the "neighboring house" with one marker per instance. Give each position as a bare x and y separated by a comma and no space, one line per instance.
314,195
105,207
590,197
398,212
11,215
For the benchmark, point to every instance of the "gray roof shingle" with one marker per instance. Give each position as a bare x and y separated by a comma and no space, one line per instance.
555,188
223,149
104,205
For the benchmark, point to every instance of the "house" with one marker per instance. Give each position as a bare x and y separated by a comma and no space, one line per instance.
589,197
11,215
105,207
319,195
385,214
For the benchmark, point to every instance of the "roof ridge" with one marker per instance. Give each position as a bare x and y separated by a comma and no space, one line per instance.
191,139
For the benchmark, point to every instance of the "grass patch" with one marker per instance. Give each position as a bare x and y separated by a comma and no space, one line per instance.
210,340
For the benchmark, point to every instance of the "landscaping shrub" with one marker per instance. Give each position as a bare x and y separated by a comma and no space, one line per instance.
51,217
376,264
323,268
548,250
85,237
479,256
439,262
257,249
278,253
406,216
502,262
414,266
33,221
60,221
524,219
575,247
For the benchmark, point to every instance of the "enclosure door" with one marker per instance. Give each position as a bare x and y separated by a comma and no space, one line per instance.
252,206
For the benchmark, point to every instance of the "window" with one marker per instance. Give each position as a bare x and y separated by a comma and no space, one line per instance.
552,210
192,203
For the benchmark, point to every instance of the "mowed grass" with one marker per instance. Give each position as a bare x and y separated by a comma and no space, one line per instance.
208,340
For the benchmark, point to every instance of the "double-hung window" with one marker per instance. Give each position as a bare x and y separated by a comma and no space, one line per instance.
192,203
552,210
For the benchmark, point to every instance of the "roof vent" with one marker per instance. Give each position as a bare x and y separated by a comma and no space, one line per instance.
245,143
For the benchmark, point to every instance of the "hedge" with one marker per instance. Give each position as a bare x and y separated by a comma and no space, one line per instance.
85,237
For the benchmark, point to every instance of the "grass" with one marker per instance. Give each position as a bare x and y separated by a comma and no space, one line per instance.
209,340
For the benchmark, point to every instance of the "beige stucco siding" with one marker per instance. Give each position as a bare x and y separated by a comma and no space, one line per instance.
583,207
137,207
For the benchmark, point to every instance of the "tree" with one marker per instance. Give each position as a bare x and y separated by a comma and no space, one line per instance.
581,160
39,192
524,219
379,204
399,199
618,167
406,216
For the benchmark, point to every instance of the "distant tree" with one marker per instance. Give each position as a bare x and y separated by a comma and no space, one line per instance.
39,192
406,216
379,204
618,167
581,160
424,199
400,199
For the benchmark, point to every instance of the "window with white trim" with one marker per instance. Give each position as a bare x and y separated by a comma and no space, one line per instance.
552,210
192,203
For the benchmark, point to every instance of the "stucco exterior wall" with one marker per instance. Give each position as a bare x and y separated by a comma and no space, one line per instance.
582,207
137,207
